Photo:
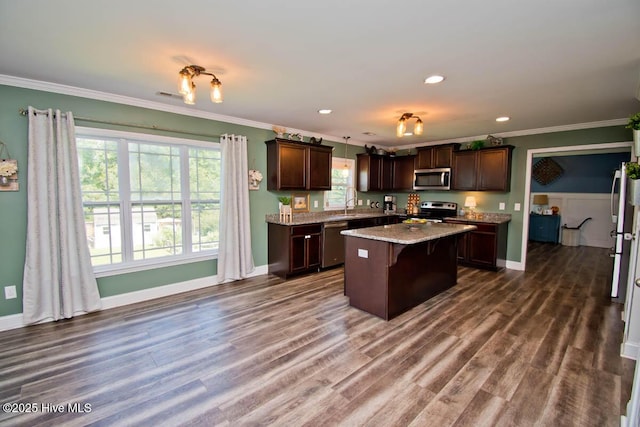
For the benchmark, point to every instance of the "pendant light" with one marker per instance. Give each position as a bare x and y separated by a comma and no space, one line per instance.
401,128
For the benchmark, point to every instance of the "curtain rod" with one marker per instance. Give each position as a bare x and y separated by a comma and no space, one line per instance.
24,112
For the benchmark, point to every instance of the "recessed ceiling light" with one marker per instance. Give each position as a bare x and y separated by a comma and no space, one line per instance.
324,111
503,119
433,79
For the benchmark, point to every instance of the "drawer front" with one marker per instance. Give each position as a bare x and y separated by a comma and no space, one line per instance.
298,230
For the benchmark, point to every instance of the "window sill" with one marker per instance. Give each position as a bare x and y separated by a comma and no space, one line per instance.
133,267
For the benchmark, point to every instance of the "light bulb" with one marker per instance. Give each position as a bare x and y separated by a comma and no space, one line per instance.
190,96
418,128
345,171
216,91
402,127
185,82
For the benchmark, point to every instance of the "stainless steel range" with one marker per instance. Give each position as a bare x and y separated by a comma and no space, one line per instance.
436,211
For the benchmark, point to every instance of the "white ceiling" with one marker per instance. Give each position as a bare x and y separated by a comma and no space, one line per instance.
544,63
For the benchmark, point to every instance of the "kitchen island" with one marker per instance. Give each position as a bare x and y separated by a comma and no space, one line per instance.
392,268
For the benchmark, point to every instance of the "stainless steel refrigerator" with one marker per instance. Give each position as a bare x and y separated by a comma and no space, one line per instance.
622,218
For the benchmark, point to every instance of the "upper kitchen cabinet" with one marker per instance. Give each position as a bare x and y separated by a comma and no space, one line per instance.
487,169
293,165
374,172
437,156
403,172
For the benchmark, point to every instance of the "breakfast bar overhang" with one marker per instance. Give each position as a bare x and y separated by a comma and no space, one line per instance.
393,268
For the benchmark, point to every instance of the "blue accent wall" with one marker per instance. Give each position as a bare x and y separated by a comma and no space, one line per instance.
589,173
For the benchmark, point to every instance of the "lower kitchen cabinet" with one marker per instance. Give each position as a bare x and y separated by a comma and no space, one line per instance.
294,249
482,247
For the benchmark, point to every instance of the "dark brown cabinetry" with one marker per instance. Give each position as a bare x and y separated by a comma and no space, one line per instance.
403,172
384,173
488,169
437,156
482,247
374,172
293,165
294,249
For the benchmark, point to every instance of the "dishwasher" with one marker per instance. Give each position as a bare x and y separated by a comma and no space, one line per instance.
333,243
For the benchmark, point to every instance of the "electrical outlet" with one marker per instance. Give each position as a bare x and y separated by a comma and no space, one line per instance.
516,207
368,202
359,202
502,206
315,203
10,292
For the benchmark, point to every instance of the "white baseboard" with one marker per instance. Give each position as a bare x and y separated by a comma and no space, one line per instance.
630,350
14,321
514,265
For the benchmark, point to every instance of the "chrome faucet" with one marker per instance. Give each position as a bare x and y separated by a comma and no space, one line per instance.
347,199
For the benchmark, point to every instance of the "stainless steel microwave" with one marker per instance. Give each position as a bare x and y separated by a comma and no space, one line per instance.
432,179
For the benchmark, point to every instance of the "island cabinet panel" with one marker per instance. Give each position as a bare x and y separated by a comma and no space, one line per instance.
295,165
387,279
294,249
488,169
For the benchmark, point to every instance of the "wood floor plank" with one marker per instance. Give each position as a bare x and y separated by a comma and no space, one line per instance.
513,348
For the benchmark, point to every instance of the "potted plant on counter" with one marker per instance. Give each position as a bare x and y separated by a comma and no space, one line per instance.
285,208
633,172
634,125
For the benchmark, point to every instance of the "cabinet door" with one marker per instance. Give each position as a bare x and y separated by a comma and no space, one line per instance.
482,248
462,246
424,159
369,169
292,167
464,170
493,170
442,156
319,168
313,250
297,254
386,174
403,172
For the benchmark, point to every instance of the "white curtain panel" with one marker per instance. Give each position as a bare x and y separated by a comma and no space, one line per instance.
58,277
235,260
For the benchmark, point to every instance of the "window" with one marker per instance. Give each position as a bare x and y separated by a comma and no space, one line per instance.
342,184
148,200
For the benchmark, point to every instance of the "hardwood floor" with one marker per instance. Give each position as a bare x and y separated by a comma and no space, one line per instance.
510,348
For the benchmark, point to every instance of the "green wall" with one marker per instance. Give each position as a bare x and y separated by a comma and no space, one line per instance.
13,205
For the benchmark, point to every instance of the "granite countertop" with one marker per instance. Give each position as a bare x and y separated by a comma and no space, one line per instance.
327,216
409,234
488,218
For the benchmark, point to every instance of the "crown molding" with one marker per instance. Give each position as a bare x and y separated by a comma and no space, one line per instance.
135,102
152,105
526,132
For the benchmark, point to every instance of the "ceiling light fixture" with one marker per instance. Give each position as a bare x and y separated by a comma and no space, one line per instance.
188,88
324,111
502,119
402,125
431,80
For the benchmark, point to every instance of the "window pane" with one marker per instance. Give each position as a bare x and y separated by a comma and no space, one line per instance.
156,230
155,172
103,233
342,178
205,218
98,163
